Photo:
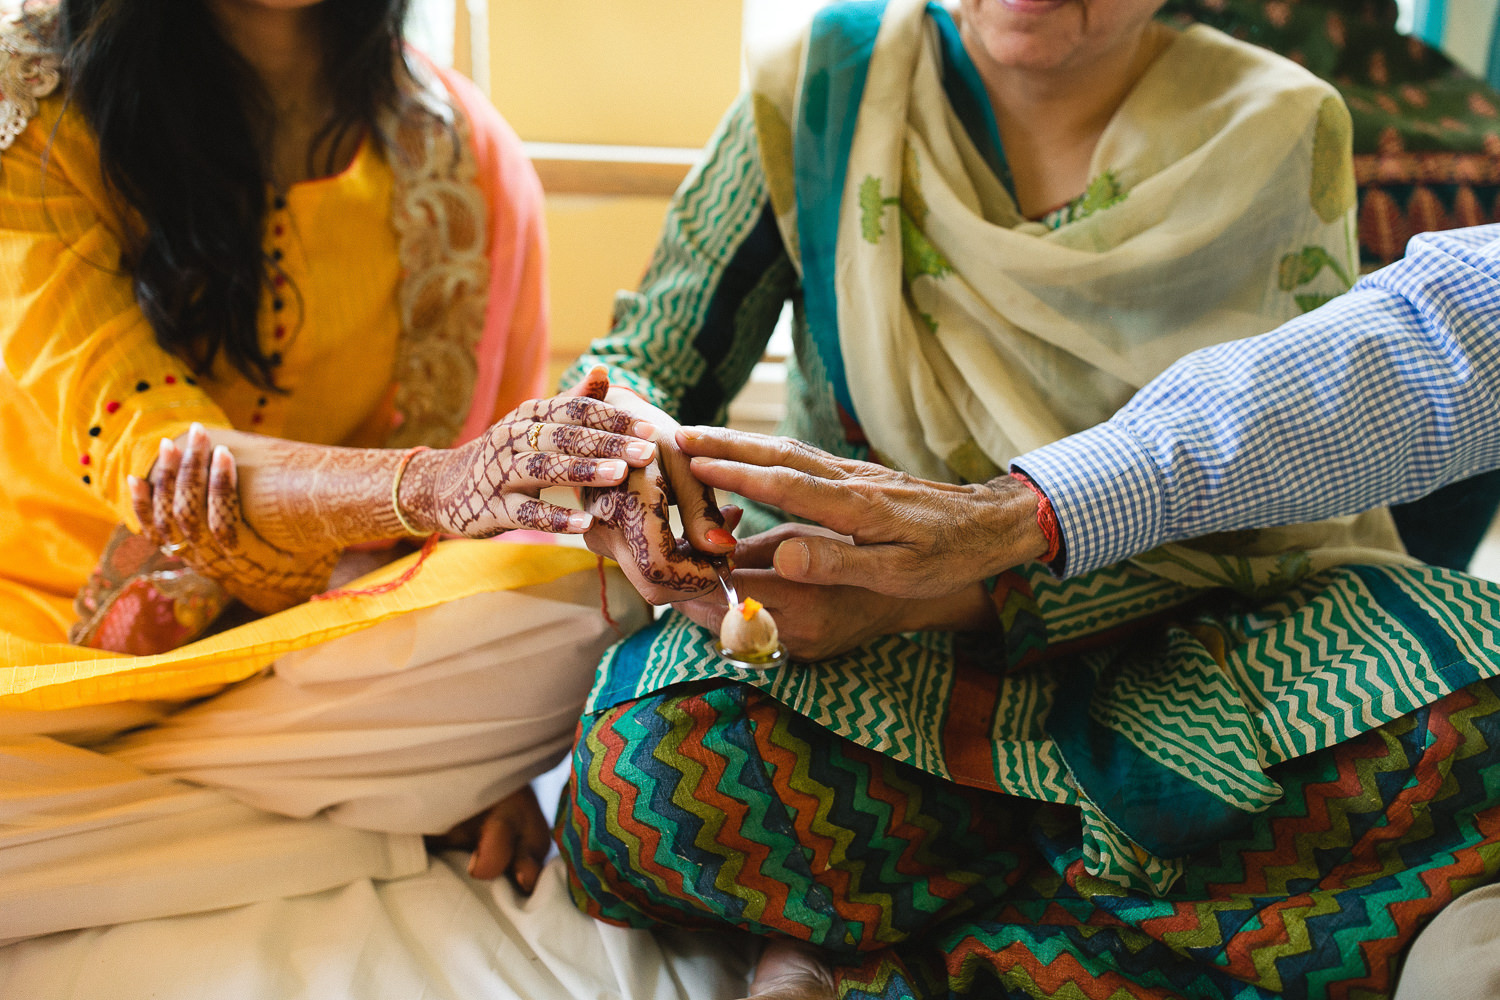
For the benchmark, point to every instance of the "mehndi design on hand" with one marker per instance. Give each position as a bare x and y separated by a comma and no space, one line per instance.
269,521
492,484
662,568
191,506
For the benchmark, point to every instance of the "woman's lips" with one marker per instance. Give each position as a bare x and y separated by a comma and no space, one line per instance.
1032,6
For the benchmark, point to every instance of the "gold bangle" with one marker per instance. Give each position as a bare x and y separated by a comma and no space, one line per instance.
396,487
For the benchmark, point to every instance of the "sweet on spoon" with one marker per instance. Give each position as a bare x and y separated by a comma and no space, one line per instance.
749,632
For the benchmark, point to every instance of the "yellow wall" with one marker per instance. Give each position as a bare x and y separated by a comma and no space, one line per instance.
626,72
619,72
599,245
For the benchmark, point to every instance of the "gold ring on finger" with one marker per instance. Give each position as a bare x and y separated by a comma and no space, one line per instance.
534,436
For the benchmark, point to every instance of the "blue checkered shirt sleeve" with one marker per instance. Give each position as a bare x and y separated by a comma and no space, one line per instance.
1382,395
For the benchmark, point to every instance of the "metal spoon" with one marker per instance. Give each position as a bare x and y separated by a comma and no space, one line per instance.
721,566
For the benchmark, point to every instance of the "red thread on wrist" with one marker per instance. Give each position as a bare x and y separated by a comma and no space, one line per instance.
1046,518
604,600
389,585
410,571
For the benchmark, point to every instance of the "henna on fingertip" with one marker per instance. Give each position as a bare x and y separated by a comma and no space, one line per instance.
224,514
163,492
539,515
595,385
589,442
190,495
141,504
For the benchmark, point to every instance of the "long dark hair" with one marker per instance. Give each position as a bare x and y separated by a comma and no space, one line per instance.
179,115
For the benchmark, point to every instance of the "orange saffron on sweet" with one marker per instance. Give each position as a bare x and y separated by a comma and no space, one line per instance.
749,608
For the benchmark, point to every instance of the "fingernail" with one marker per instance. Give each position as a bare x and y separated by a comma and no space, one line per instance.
792,559
691,433
166,450
221,459
613,468
639,451
704,463
580,521
720,536
473,863
643,429
196,428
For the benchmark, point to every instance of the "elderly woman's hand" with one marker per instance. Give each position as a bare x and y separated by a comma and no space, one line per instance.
908,537
818,621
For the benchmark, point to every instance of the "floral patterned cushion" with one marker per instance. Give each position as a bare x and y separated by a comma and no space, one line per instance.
1426,133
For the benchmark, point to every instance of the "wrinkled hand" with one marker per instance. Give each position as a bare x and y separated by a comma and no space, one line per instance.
191,507
493,484
632,523
510,838
908,537
817,621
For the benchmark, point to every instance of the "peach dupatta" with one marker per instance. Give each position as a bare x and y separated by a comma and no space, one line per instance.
512,351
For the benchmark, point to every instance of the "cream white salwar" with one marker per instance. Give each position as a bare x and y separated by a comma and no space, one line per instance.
437,935
323,770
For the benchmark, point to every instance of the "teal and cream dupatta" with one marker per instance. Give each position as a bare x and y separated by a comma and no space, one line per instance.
1156,695
959,334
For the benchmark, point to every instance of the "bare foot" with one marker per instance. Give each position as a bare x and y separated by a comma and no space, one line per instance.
791,970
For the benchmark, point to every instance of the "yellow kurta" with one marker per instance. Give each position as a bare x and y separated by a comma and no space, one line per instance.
86,394
408,307
382,716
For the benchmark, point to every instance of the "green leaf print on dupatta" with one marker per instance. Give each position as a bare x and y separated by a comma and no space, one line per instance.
919,256
970,464
1333,187
1258,577
1104,191
871,207
1302,268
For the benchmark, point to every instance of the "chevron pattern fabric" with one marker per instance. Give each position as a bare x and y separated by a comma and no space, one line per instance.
1156,695
718,805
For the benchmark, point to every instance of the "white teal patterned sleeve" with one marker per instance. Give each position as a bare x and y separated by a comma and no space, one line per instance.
689,337
1378,397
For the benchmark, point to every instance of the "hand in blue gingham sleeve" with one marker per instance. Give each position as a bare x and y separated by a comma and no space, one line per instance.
1380,396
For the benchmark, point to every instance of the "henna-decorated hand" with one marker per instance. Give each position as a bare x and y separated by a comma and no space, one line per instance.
816,621
493,484
633,527
632,523
191,507
909,537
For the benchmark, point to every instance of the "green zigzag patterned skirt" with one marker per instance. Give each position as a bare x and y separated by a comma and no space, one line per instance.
715,805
